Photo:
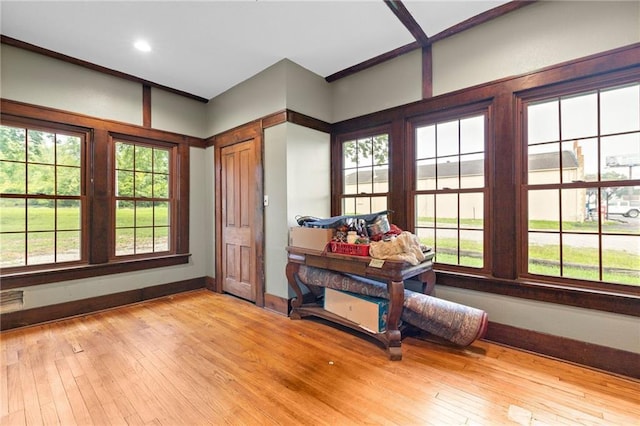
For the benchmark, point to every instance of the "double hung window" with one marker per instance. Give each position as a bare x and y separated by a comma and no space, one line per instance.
581,184
143,198
42,195
449,187
365,174
78,202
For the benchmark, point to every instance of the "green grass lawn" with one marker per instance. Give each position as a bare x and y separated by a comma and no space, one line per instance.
41,243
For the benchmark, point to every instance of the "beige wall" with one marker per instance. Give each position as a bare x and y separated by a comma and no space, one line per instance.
533,37
297,164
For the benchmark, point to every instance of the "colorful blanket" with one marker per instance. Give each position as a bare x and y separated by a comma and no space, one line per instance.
452,321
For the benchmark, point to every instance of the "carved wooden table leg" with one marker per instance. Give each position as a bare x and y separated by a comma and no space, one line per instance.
428,279
394,336
296,302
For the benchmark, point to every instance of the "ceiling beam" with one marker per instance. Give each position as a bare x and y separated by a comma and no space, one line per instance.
401,12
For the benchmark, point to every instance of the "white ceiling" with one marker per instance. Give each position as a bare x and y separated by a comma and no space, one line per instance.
206,47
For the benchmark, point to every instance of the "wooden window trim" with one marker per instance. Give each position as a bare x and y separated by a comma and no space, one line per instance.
502,95
337,166
465,111
561,90
99,217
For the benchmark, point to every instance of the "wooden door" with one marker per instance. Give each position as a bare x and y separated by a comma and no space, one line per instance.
238,205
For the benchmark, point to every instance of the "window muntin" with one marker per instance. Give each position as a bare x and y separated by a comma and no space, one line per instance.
143,198
42,196
365,174
583,185
450,187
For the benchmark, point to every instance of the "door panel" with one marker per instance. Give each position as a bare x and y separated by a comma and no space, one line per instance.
238,209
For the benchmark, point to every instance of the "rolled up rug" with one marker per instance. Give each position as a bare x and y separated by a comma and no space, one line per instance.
457,323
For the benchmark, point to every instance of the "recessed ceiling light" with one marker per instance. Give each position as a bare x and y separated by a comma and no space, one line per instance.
142,46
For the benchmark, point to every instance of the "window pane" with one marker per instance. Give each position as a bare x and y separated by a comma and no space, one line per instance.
620,109
544,253
12,178
426,142
68,246
447,210
68,151
144,213
124,183
579,116
349,154
348,206
380,150
365,180
621,206
425,210
69,215
544,210
144,240
41,147
426,236
580,160
41,179
446,246
125,241
543,122
12,215
144,158
124,156
378,204
544,164
471,210
471,248
621,259
426,174
161,239
12,143
161,213
40,248
579,210
144,185
621,157
580,257
380,179
161,186
447,139
364,149
448,172
13,250
363,205
68,180
350,181
124,214
41,215
472,135
472,171
160,161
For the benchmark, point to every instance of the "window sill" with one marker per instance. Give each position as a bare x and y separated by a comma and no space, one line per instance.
26,279
618,302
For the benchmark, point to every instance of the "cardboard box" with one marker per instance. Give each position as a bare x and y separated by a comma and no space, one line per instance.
368,312
310,238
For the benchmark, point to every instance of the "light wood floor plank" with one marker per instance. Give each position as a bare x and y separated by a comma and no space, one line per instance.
202,358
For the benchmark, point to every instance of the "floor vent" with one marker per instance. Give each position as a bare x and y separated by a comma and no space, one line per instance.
11,300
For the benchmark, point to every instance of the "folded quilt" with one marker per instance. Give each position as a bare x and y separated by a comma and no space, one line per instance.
452,321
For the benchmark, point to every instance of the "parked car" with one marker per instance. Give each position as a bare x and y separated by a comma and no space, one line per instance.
625,208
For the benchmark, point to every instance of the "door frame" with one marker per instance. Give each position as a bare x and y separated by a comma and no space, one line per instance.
242,134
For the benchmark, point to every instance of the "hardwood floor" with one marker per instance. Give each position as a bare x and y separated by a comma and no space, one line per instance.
204,358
